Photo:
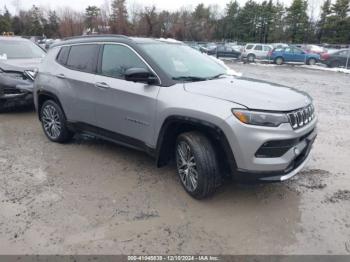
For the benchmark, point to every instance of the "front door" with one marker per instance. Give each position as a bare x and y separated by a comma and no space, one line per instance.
123,107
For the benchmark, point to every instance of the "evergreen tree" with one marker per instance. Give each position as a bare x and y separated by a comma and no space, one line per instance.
325,12
91,14
119,17
297,21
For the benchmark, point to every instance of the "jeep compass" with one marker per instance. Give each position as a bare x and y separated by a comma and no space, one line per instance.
172,102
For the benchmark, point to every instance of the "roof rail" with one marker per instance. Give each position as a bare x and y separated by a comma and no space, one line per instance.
92,36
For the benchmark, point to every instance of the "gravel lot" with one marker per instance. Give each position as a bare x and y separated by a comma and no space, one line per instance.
94,197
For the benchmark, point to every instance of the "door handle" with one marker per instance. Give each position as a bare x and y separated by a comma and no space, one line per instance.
62,76
102,85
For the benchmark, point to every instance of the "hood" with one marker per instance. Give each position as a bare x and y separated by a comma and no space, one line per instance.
20,64
251,93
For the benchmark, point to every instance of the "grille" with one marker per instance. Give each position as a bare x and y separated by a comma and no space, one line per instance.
11,91
301,117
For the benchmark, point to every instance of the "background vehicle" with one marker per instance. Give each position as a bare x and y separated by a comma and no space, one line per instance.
337,59
19,59
293,54
140,93
224,51
256,51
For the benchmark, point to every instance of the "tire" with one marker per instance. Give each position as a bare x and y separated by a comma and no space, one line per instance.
251,58
54,122
197,164
311,61
279,61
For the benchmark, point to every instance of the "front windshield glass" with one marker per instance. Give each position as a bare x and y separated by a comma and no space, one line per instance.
12,49
181,61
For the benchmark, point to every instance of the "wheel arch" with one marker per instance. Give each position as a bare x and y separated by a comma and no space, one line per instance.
175,125
44,96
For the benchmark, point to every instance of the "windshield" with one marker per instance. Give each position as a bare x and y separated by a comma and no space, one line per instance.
12,49
181,61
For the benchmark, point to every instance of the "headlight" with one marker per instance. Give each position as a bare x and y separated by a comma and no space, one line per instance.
31,73
260,118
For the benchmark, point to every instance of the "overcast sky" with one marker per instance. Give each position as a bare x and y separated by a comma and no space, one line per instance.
80,5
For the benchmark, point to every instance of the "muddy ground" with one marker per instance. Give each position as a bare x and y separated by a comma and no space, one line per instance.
94,197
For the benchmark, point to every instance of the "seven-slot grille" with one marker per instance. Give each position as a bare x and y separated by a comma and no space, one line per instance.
301,117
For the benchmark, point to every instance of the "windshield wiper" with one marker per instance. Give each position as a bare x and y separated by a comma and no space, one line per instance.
216,76
189,78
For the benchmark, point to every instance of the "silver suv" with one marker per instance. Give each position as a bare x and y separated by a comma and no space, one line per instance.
256,51
172,102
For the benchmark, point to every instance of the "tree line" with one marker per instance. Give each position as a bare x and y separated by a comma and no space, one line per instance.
266,22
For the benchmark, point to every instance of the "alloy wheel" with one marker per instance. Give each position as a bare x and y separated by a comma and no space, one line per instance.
51,121
186,166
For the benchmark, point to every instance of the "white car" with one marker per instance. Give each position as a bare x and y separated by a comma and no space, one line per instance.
256,51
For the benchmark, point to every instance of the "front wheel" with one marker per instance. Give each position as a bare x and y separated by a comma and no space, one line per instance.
279,61
197,164
54,122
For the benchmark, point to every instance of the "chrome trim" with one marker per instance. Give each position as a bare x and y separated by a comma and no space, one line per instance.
301,117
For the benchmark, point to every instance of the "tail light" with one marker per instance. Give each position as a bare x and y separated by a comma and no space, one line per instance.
325,56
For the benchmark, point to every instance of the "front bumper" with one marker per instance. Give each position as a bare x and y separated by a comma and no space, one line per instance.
15,92
277,176
246,140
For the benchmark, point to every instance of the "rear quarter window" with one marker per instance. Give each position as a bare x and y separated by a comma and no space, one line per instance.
62,56
248,47
83,58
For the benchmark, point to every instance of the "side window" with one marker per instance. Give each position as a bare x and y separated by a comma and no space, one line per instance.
63,55
248,47
83,58
116,59
229,49
297,51
258,47
267,48
288,50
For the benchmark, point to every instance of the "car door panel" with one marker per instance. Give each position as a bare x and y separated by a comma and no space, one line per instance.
124,107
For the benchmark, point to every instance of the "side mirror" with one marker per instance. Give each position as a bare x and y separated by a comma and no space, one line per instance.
140,75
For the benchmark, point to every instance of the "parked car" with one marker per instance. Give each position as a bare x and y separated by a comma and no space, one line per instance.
337,59
168,100
293,54
19,59
255,51
315,49
224,51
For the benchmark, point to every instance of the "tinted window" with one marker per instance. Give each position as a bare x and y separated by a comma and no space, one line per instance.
63,55
249,46
258,47
288,50
117,58
83,58
297,51
344,53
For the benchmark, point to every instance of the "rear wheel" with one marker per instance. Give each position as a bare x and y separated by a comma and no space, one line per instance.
279,61
311,61
54,122
197,164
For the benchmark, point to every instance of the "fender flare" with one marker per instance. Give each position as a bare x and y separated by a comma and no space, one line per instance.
168,133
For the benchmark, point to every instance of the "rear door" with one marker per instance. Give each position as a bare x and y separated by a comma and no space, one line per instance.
258,51
79,75
124,107
299,55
